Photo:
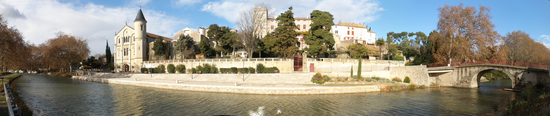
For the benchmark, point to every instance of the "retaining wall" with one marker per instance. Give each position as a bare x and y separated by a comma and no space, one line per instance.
239,89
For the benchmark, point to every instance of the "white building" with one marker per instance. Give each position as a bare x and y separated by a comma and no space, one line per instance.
357,33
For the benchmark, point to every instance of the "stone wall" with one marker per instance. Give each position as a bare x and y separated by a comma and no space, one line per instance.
417,74
284,65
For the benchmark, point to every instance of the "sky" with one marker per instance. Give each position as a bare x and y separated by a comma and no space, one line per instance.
98,20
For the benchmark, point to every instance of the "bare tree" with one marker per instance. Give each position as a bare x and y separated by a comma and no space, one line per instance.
250,27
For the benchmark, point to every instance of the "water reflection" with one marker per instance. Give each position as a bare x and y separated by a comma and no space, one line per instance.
51,95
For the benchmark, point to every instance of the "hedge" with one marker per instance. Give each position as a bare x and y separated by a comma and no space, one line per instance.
143,70
251,70
161,69
171,68
180,68
207,68
270,70
260,68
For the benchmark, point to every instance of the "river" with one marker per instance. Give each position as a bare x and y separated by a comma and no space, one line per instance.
54,95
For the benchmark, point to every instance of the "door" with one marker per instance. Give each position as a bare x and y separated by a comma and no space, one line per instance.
298,62
311,67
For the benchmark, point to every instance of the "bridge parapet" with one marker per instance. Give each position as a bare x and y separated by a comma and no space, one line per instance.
495,62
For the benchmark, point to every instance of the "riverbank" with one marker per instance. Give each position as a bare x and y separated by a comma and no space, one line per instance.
275,84
3,103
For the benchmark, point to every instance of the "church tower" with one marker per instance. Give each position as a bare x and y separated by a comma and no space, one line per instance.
140,31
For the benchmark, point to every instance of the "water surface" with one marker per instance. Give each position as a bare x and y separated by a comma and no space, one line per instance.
54,95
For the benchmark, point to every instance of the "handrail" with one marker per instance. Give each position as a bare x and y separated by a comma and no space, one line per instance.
8,101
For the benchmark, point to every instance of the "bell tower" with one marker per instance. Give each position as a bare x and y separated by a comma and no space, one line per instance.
140,29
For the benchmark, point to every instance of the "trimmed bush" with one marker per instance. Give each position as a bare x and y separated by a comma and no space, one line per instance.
407,80
270,70
199,68
180,68
193,70
412,86
153,70
251,70
260,68
319,79
234,70
214,69
171,68
143,70
206,68
225,70
161,69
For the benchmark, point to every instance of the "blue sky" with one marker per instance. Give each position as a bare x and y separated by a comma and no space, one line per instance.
98,20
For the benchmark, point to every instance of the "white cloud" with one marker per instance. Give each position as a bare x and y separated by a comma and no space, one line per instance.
545,37
545,40
358,11
96,23
187,2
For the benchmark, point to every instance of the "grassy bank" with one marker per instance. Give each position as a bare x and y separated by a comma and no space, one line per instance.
533,101
24,109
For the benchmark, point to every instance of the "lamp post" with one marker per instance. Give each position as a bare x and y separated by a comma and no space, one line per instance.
243,69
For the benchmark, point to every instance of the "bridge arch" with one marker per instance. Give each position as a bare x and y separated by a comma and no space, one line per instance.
480,73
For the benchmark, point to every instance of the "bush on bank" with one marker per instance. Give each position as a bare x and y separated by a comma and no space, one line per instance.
180,68
171,68
161,69
319,79
407,79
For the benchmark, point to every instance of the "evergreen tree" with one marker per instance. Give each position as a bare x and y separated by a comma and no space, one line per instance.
159,47
108,53
320,39
282,42
184,46
205,47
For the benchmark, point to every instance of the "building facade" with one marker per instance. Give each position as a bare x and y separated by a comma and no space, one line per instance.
354,32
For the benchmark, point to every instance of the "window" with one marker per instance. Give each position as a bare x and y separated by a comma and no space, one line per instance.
348,32
304,26
336,31
352,33
141,25
118,40
272,27
298,26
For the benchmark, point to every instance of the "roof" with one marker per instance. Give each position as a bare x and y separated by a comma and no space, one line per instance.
356,25
140,16
156,36
302,18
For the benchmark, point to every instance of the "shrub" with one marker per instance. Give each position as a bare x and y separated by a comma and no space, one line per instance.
199,68
260,68
226,56
412,86
225,70
368,79
153,70
143,70
171,68
397,79
395,88
180,68
374,81
422,86
193,70
407,79
161,69
399,58
251,70
242,70
206,68
234,70
214,69
376,78
327,78
319,79
270,70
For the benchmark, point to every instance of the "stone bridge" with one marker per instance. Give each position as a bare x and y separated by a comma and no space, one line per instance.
469,75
